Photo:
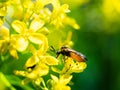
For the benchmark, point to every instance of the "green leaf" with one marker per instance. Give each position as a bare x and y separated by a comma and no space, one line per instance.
4,83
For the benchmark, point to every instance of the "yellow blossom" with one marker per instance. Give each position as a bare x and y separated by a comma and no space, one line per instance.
59,14
3,9
70,67
73,67
38,71
71,22
4,39
39,4
59,17
4,33
6,42
45,14
28,4
37,66
28,34
61,82
40,58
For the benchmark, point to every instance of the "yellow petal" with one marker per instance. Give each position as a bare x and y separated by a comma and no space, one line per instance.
13,53
65,79
50,60
71,22
82,65
66,88
55,79
38,81
43,47
19,42
31,61
79,67
3,9
44,31
22,73
36,24
54,69
64,8
37,38
4,45
39,70
28,4
4,33
19,26
42,69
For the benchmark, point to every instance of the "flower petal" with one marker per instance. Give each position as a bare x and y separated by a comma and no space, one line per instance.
31,61
19,26
39,70
55,79
37,38
36,24
19,42
78,67
43,47
13,53
51,60
4,33
65,79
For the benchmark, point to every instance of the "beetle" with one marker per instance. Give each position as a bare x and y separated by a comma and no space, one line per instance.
65,51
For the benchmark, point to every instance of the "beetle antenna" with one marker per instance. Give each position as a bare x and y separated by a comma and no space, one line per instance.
52,49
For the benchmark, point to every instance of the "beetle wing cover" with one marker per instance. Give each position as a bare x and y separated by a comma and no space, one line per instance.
77,56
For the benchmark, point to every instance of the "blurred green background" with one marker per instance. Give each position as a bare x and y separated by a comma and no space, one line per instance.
99,39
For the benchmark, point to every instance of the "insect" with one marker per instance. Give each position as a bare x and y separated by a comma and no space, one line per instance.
65,51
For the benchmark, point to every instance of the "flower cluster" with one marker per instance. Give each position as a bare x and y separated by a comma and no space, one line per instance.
28,26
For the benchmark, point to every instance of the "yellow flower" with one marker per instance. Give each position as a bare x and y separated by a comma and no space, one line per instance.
4,33
3,12
20,41
28,34
70,67
6,42
37,58
13,8
61,82
73,67
59,17
4,39
59,14
37,66
71,22
28,4
39,70
3,9
39,4
45,14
